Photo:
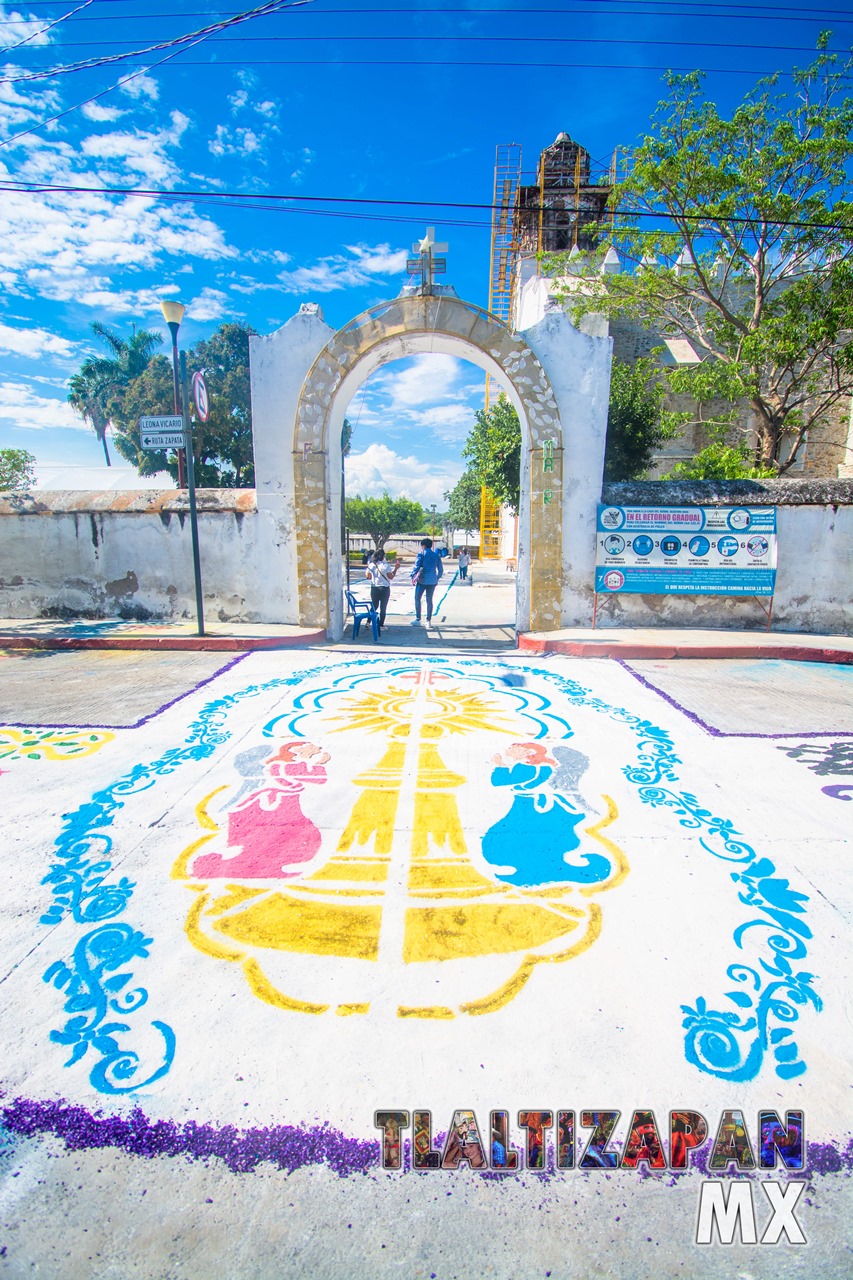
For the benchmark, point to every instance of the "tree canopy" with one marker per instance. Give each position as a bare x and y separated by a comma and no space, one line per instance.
222,446
737,233
637,423
382,517
493,449
102,378
463,501
721,461
17,469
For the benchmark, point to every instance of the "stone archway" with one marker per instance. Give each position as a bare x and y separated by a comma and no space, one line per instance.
406,326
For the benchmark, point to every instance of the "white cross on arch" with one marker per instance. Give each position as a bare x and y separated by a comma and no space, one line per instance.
427,249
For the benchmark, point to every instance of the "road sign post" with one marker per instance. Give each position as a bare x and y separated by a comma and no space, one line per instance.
172,432
199,604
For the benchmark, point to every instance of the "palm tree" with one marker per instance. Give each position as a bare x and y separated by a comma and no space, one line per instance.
100,377
85,395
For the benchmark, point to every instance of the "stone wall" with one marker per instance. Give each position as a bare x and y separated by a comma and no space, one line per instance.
129,555
814,578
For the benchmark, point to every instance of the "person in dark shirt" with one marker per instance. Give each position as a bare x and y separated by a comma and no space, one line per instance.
425,575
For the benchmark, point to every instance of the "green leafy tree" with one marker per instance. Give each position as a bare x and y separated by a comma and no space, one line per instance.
17,469
222,446
737,230
493,449
721,461
103,378
637,423
382,517
463,501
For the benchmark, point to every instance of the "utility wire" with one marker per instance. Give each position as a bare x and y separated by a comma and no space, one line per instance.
60,115
403,39
268,200
771,12
397,64
190,39
42,30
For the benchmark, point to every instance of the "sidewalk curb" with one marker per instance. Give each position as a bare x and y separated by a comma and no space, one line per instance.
192,644
615,649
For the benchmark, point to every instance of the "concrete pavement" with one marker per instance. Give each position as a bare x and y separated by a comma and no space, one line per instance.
249,900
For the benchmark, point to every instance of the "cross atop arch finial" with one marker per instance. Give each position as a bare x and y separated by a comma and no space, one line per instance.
427,265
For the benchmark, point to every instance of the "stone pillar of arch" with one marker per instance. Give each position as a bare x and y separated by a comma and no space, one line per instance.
299,488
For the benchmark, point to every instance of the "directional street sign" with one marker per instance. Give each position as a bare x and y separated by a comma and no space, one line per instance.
162,432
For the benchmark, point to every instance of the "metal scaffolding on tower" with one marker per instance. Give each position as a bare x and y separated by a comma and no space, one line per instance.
504,249
503,246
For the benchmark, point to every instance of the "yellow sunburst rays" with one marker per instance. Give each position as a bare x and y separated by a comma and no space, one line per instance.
411,777
450,709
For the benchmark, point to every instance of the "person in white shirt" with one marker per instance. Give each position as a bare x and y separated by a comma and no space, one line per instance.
463,562
381,575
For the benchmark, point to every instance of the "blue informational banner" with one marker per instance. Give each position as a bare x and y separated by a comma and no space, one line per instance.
717,551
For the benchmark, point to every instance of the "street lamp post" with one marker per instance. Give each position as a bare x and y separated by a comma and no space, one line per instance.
173,313
433,521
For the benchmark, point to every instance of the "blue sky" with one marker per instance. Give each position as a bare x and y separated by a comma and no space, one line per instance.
327,99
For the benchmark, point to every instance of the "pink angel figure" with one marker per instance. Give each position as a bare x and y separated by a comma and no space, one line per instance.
268,830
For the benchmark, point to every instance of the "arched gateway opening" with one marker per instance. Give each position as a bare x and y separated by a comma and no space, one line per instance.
407,326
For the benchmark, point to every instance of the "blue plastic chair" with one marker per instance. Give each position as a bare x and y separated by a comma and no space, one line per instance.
361,610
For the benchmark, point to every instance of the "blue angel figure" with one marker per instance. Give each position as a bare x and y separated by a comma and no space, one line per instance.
531,843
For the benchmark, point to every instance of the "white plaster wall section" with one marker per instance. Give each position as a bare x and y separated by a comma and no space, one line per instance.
532,301
578,369
92,563
279,364
814,576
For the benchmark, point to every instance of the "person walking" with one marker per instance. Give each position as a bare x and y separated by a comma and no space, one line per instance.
381,575
425,575
462,563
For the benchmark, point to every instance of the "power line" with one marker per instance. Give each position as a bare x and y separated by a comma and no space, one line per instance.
60,115
326,39
264,199
770,12
43,30
437,62
191,38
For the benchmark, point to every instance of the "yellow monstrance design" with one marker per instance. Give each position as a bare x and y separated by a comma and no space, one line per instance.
399,914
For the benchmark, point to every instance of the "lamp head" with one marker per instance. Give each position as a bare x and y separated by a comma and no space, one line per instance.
173,314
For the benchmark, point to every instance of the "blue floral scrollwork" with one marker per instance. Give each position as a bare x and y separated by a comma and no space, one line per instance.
768,998
81,892
95,988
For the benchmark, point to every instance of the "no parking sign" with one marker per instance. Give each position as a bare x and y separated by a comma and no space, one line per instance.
200,396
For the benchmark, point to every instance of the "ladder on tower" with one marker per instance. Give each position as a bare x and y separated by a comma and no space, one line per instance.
490,526
504,249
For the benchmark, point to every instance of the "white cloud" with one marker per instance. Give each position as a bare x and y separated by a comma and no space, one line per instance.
17,28
141,86
33,342
65,246
125,302
431,394
20,405
211,304
363,266
18,109
428,377
379,468
94,111
141,152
